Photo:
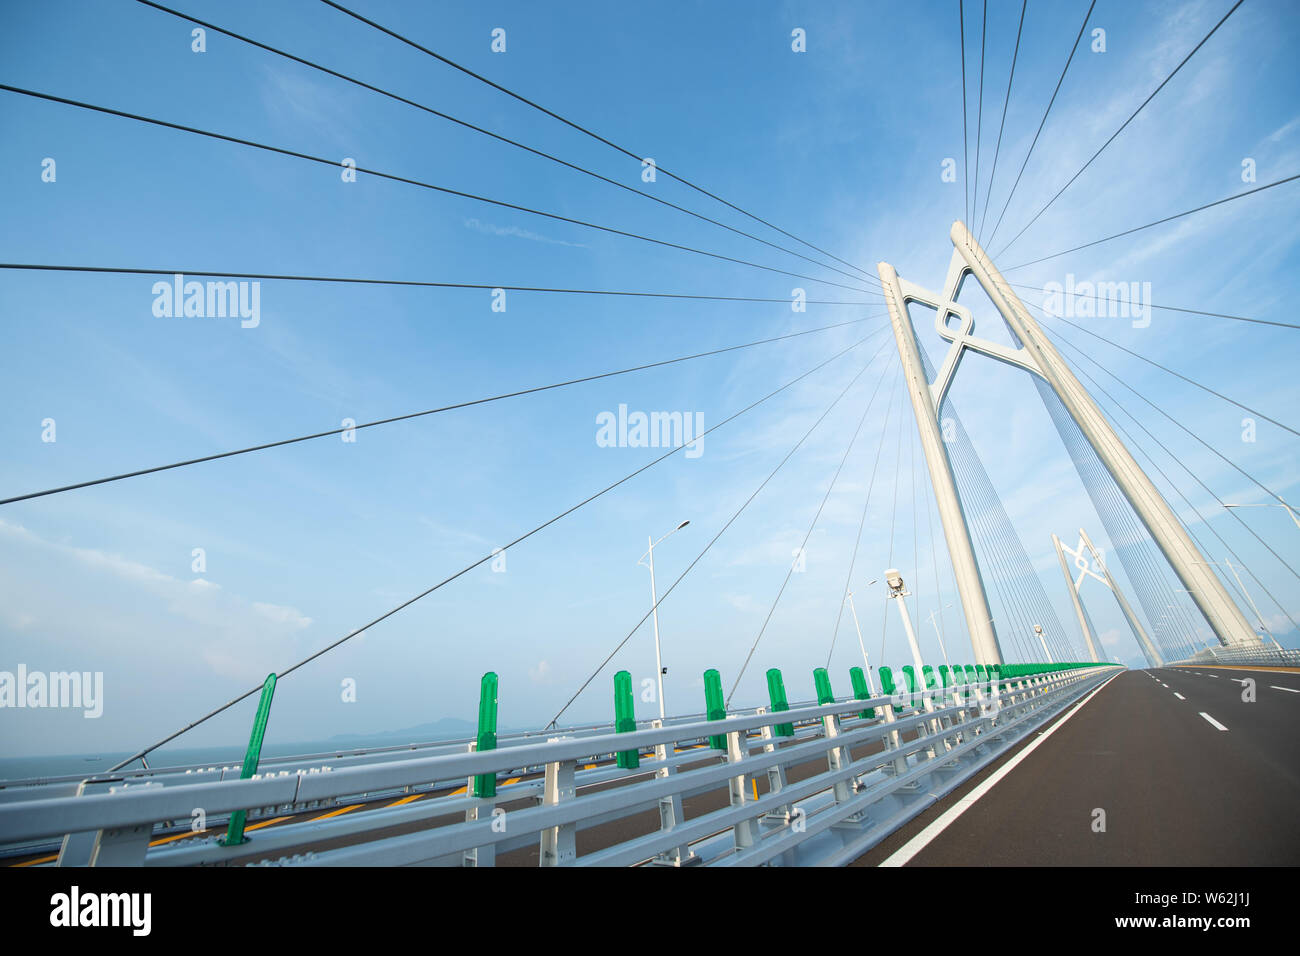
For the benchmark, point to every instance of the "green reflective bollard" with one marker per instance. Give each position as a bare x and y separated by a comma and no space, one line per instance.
235,831
822,681
714,706
860,691
776,694
485,784
625,718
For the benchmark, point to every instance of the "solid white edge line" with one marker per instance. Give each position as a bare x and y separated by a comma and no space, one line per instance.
912,847
1212,721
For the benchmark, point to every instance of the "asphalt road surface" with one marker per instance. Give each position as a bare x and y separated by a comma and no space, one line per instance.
1186,771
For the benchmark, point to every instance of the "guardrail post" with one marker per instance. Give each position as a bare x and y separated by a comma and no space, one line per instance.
625,718
913,686
235,831
123,846
715,707
776,694
559,844
775,774
891,709
670,808
745,832
837,758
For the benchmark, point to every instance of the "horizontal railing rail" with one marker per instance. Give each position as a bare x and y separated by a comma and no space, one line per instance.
1263,656
918,745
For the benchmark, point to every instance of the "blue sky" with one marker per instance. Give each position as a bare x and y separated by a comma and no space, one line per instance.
842,145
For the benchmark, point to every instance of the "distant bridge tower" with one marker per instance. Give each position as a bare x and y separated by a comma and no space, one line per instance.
1145,644
1038,356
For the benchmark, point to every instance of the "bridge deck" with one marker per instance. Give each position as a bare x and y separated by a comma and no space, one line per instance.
1176,790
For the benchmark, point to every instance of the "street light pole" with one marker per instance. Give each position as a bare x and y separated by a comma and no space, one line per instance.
1269,504
899,591
871,685
654,611
1258,617
942,650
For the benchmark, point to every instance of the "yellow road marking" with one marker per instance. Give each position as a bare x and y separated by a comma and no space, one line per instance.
398,803
333,813
39,859
267,823
511,780
454,792
182,836
755,783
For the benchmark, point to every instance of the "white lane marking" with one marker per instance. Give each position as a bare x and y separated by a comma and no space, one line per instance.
1215,676
1179,696
1289,690
919,842
1213,722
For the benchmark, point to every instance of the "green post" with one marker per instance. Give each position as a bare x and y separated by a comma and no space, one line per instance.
715,707
625,718
485,784
235,832
822,681
860,691
776,694
909,675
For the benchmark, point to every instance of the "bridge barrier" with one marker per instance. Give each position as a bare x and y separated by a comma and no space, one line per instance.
1243,656
870,777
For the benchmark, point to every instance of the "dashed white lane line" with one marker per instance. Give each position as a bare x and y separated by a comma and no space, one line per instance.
919,842
1212,721
1289,690
1179,696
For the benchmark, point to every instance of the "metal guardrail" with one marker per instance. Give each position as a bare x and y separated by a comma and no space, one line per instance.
930,742
1264,656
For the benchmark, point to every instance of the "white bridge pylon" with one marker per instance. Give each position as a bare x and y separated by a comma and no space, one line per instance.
1147,646
1038,356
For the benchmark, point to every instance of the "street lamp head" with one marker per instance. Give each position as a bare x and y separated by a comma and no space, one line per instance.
894,580
682,525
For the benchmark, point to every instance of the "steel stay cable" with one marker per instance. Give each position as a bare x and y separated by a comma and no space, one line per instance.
812,525
1222,457
1166,308
393,177
848,580
1002,126
421,414
1083,26
1194,476
486,132
596,136
1122,127
354,280
1158,222
1189,381
979,111
1198,480
1235,516
645,617
488,557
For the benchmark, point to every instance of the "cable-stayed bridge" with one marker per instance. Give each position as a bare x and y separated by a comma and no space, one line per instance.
865,758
